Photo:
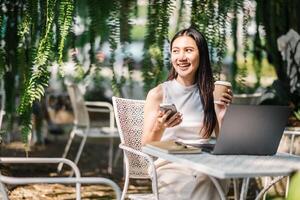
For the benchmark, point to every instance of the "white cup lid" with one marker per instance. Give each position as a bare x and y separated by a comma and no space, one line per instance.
226,83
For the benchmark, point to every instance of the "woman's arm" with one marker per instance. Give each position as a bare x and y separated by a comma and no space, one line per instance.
155,121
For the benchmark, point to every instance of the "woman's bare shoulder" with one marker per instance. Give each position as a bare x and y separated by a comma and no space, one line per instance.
155,94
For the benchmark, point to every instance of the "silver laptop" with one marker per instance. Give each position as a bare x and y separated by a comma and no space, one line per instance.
251,130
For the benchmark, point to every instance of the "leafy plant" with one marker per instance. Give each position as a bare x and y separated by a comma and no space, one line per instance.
35,49
157,34
36,33
297,114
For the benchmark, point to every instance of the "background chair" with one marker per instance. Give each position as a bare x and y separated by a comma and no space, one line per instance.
288,142
78,180
130,120
82,126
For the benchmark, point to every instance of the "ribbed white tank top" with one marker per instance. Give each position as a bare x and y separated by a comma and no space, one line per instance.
187,102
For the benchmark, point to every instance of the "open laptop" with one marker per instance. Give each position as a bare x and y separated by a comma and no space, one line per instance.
251,130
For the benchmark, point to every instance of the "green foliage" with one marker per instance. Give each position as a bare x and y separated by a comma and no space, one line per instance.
66,8
2,52
157,33
210,18
297,114
114,38
277,18
36,34
39,75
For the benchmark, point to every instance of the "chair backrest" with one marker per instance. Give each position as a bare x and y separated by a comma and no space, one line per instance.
81,115
130,119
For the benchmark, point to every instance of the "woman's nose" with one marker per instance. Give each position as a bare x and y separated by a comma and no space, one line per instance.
182,56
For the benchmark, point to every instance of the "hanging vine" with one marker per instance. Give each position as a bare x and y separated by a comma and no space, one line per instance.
39,74
43,27
114,40
157,33
65,20
2,52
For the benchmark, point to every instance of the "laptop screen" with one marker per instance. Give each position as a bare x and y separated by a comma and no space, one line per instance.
251,130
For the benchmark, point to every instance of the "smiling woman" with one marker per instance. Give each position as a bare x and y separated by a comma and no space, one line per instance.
185,59
190,88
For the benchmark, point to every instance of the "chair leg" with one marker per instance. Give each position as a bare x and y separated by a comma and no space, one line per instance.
110,155
287,185
79,152
80,149
126,183
67,148
117,157
3,192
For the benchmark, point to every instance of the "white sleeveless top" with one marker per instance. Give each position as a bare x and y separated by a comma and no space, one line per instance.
188,103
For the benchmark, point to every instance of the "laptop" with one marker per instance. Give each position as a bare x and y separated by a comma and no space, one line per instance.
251,130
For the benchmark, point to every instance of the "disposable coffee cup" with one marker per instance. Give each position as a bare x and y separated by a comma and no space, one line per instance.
220,88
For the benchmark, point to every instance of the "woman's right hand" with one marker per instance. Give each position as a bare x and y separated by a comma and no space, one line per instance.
164,121
155,120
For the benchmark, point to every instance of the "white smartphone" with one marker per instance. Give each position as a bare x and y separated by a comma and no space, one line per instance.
165,107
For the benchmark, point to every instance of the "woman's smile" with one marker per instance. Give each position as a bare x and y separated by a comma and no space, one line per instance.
185,59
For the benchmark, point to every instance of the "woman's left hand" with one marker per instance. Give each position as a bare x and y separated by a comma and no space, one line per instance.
225,101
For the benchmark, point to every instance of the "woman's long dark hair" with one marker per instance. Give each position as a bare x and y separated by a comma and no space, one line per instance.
204,79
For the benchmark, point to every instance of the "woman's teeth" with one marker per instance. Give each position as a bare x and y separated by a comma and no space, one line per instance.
185,66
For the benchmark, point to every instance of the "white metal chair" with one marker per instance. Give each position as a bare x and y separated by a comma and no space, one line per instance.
289,133
292,133
77,180
129,117
82,126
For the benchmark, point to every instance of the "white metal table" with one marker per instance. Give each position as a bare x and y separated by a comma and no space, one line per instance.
234,166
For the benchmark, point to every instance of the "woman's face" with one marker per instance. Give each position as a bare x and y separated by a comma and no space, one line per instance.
185,57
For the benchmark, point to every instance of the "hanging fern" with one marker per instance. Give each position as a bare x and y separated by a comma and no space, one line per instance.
246,19
157,33
38,81
128,8
66,9
234,24
125,26
114,39
2,52
257,53
180,14
221,23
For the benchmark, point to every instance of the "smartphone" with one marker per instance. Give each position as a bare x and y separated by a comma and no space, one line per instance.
164,107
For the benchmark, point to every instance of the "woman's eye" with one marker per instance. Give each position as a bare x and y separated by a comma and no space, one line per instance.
189,50
175,51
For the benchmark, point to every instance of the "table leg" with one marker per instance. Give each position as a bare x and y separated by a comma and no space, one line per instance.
219,187
236,189
244,188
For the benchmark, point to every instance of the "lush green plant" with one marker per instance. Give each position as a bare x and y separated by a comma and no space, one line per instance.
157,34
277,18
297,114
29,49
37,33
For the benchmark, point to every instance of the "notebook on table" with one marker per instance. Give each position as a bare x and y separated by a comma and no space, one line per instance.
173,147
